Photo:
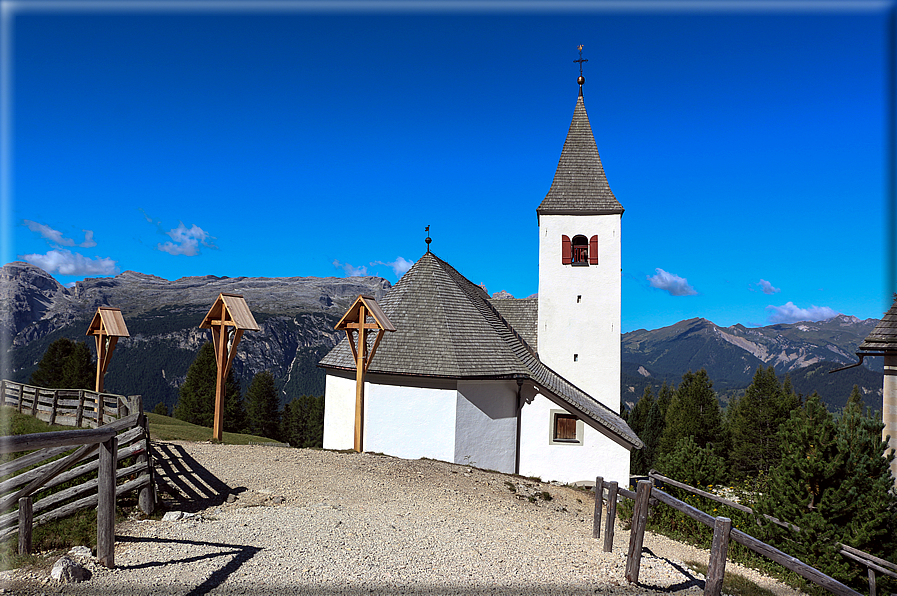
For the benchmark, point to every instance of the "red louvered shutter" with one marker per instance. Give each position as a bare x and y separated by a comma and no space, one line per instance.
566,250
593,250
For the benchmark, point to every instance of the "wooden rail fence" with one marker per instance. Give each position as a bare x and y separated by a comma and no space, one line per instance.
872,563
95,463
68,407
723,532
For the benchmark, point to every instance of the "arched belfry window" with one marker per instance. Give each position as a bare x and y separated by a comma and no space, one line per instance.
580,250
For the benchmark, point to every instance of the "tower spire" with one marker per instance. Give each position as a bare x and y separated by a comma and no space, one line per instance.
581,78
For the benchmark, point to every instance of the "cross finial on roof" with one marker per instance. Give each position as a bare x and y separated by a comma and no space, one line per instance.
581,78
429,240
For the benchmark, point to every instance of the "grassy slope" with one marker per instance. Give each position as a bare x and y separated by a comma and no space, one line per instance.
165,428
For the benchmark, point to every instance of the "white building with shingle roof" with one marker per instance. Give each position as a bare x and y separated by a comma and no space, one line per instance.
527,386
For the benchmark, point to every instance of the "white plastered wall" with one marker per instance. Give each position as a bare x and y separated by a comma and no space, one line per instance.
568,463
486,424
410,422
339,411
589,328
889,407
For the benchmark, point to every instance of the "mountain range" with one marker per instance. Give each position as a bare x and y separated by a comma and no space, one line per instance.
297,314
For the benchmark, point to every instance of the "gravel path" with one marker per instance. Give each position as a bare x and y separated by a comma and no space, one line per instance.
318,522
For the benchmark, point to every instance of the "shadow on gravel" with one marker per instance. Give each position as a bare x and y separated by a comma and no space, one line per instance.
239,554
690,580
186,481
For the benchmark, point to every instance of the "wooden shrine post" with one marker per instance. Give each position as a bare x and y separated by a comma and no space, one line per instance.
228,318
106,327
356,318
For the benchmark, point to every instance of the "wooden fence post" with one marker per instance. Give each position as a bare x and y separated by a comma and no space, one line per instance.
599,497
21,395
637,532
79,413
3,392
106,503
26,520
34,402
872,588
53,407
611,516
716,568
147,497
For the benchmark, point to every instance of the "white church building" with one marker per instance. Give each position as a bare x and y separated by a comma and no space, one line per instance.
527,386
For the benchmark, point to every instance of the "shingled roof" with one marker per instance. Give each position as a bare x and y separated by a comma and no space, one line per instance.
446,327
580,186
883,339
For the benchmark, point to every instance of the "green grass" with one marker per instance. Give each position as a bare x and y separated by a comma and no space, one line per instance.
166,428
14,423
733,583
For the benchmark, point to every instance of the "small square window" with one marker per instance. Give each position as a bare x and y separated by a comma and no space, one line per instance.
566,429
578,299
575,357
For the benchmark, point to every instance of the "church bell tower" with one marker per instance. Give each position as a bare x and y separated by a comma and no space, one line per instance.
580,267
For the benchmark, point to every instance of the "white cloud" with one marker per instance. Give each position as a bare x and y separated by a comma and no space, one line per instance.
768,288
89,242
186,241
789,313
65,262
672,283
351,270
400,266
56,237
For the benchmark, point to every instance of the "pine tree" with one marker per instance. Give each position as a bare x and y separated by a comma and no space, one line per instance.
871,516
262,406
754,421
66,364
834,483
693,465
804,490
196,402
303,422
638,422
693,412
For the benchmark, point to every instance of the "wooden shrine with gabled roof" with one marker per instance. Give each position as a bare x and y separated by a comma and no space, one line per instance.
106,327
356,320
228,318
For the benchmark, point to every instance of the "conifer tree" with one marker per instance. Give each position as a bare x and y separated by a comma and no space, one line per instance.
262,406
66,364
693,412
804,490
303,422
754,421
638,422
693,465
196,401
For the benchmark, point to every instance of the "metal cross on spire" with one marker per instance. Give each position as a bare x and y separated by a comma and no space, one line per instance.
581,78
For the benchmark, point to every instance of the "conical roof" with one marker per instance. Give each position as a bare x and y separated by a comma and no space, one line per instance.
446,327
883,339
580,186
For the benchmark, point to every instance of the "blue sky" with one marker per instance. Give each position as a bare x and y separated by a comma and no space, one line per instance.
746,141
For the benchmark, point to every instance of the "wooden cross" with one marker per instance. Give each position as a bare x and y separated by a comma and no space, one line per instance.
356,319
229,313
106,327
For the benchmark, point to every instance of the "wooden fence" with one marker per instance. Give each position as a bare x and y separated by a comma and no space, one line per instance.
68,407
872,563
101,478
723,532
